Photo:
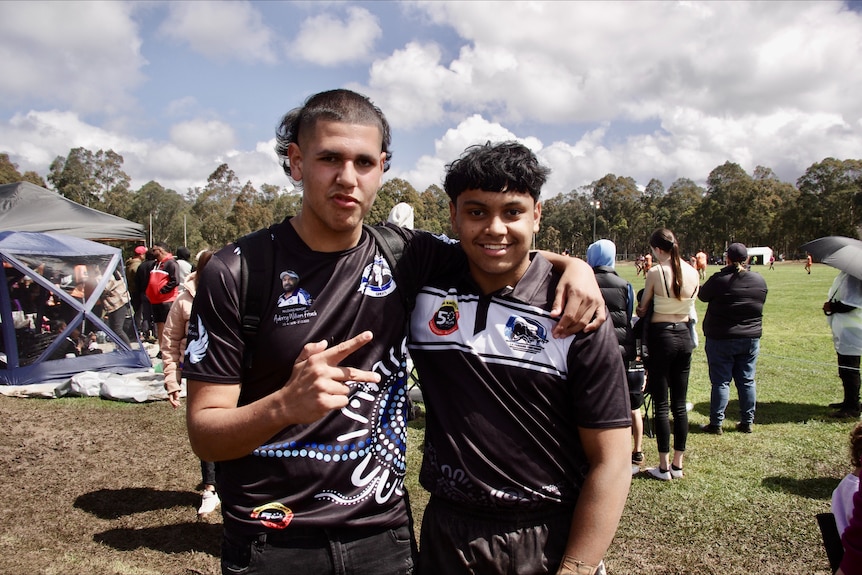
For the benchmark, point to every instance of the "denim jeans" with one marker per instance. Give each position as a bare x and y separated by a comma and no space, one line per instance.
355,551
732,359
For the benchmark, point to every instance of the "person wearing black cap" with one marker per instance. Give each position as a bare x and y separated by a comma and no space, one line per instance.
733,325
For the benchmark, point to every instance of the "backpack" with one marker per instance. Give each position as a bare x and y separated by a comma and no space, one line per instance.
257,268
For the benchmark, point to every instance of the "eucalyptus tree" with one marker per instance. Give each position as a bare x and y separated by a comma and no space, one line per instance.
9,173
160,211
679,213
729,208
94,179
620,203
432,211
566,222
213,205
830,201
390,193
776,200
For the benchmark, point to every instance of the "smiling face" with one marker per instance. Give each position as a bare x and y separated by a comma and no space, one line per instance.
496,231
341,169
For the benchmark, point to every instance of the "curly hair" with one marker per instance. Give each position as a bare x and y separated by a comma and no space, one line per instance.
501,167
335,106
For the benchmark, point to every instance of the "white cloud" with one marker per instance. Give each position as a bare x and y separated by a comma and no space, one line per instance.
473,130
592,61
328,41
33,140
221,30
773,84
203,136
83,55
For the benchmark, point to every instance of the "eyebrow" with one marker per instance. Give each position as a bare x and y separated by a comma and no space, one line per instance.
340,154
514,203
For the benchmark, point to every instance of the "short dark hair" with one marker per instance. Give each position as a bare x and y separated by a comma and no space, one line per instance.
500,167
183,253
339,105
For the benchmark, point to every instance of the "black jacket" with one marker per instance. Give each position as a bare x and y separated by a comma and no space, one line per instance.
615,290
735,301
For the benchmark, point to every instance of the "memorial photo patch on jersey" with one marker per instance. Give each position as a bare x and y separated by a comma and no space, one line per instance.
377,280
445,320
294,301
525,334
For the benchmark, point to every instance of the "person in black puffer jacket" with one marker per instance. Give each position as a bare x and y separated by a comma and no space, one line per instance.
619,297
733,325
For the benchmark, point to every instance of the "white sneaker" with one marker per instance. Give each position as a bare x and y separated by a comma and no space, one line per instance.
635,469
659,474
675,473
209,501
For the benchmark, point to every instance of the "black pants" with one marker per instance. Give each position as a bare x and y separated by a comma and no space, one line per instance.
848,371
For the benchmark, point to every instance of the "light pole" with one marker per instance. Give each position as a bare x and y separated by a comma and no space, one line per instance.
595,204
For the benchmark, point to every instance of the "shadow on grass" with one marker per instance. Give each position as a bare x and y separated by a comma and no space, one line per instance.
811,488
116,503
180,538
773,412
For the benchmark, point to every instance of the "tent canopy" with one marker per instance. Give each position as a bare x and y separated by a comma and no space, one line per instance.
26,207
51,299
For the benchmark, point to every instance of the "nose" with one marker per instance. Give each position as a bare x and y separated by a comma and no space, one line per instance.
496,226
347,176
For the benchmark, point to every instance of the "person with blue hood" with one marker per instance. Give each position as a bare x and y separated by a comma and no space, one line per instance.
619,297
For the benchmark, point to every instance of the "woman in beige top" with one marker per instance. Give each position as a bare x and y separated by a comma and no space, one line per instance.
671,286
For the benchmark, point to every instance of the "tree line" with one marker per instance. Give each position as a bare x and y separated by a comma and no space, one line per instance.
757,209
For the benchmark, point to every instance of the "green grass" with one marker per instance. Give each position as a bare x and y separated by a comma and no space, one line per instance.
748,502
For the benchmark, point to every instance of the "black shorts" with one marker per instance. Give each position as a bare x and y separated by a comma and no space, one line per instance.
457,541
160,311
636,384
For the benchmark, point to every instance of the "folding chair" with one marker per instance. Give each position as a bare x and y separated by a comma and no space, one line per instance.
831,539
649,415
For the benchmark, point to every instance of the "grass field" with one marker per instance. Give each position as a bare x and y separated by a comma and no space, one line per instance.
99,487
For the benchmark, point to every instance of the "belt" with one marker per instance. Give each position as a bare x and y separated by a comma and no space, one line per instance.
669,325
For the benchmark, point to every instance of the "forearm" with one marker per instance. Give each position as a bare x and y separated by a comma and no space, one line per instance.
579,292
600,504
218,431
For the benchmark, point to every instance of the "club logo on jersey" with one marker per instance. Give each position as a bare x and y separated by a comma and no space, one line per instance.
377,280
525,334
445,320
273,515
197,342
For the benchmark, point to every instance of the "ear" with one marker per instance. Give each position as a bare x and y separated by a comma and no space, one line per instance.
537,217
294,156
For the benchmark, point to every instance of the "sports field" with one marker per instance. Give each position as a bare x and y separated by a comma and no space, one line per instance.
100,487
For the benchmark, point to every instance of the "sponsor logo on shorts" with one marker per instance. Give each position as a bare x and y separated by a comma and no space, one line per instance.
273,515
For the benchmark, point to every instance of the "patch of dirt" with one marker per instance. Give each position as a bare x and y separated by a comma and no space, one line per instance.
100,487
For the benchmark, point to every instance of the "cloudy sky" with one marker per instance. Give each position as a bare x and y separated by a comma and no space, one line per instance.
648,90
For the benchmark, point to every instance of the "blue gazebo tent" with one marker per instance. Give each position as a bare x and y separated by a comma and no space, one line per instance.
51,297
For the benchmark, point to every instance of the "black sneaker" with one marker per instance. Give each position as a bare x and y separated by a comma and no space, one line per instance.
743,427
847,413
710,428
637,457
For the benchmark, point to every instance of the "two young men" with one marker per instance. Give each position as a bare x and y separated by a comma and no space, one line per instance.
308,419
